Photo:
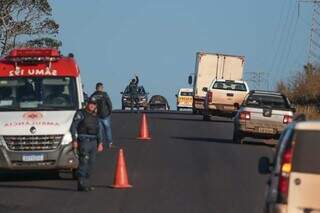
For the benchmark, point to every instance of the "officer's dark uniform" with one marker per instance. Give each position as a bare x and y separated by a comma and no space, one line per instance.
87,130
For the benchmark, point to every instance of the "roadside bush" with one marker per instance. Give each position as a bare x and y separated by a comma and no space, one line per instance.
303,89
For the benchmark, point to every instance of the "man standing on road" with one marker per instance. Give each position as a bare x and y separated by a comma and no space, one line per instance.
133,90
86,131
104,108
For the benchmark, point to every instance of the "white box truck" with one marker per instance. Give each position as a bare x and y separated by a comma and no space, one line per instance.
211,66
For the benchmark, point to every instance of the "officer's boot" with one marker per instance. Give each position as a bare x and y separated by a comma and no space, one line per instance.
89,187
82,187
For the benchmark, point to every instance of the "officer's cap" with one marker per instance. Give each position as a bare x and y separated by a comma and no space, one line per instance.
92,100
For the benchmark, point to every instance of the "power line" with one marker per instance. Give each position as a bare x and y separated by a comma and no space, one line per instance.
279,47
293,34
257,78
314,40
275,33
287,28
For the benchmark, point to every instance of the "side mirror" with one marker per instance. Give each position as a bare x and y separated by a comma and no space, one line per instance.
264,166
121,93
293,108
205,89
190,79
176,96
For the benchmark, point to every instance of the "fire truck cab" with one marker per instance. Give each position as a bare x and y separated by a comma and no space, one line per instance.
40,91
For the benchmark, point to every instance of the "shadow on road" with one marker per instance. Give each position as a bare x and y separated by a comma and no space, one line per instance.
193,119
154,112
36,187
208,140
255,143
28,176
221,140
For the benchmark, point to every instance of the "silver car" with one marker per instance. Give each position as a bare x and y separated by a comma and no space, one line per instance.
263,114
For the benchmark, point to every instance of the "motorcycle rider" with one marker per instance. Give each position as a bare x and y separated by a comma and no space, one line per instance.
133,91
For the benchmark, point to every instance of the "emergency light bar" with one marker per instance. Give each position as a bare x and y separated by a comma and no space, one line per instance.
34,52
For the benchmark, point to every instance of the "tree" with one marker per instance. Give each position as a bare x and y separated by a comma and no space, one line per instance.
26,23
304,87
283,88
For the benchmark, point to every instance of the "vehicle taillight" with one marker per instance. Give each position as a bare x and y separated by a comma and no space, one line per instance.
245,115
284,176
209,95
287,119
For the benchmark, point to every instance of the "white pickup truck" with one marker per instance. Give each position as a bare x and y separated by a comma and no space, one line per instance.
224,96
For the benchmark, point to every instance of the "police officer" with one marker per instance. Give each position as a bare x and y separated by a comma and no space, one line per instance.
86,133
133,90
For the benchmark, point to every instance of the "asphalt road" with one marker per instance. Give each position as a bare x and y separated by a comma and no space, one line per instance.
188,166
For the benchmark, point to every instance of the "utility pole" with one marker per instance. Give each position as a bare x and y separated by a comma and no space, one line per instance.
314,42
257,78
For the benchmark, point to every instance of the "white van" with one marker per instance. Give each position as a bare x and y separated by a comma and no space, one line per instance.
40,91
184,98
294,184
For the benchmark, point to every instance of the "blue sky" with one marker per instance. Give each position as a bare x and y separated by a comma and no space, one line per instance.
115,39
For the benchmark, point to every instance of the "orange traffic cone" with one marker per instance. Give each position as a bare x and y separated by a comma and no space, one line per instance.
121,176
144,129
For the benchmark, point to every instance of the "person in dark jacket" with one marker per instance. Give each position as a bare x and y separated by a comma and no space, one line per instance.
85,95
133,91
104,108
86,131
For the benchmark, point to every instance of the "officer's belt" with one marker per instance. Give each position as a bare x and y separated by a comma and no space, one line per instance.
85,137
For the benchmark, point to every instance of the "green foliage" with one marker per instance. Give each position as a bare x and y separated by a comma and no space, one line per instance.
26,23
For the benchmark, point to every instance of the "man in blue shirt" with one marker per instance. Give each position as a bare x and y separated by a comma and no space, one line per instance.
104,109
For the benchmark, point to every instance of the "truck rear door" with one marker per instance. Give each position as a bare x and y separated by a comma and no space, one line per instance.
304,186
206,71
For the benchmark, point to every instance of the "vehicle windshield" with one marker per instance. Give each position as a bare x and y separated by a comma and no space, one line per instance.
158,98
34,93
265,100
229,85
186,94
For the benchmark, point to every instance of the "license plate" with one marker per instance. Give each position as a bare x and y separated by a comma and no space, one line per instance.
32,158
266,130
